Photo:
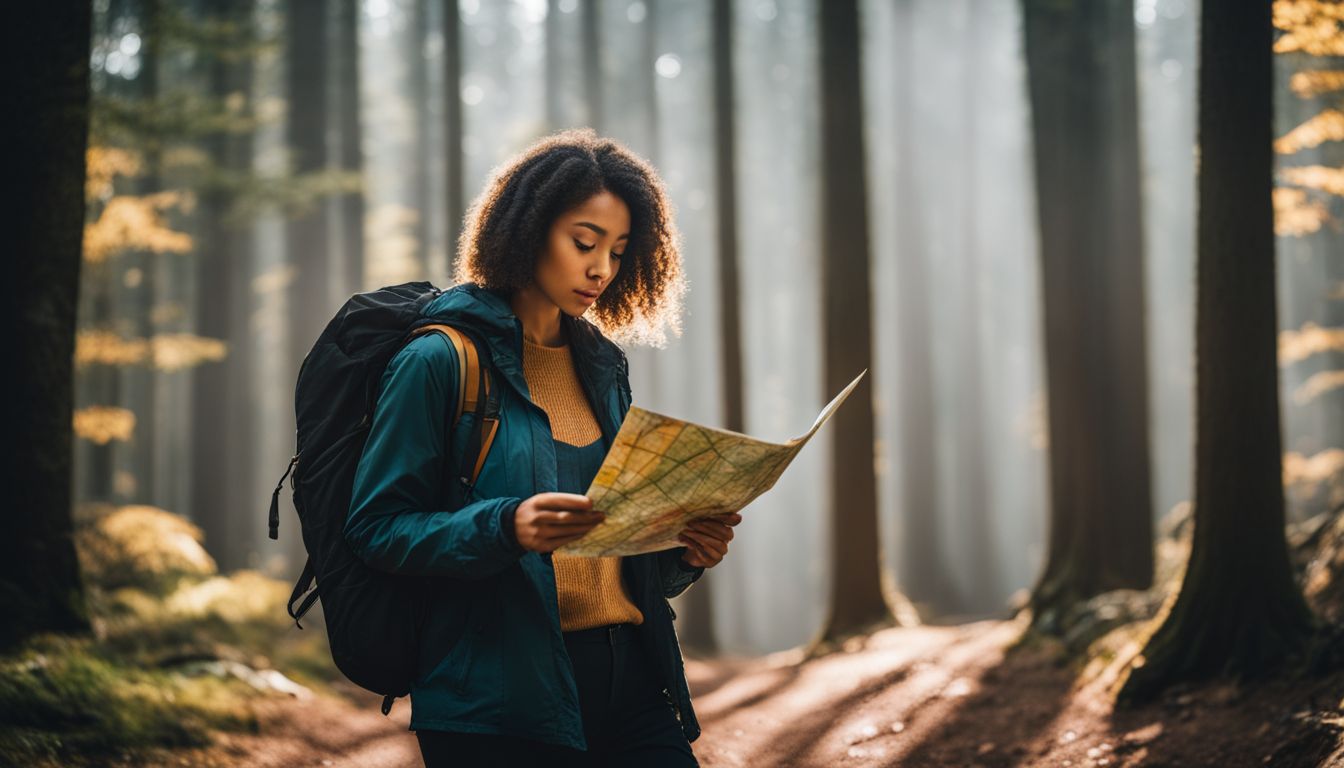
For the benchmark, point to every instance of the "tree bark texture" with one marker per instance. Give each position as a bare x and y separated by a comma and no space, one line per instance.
856,600
1080,60
40,587
1239,611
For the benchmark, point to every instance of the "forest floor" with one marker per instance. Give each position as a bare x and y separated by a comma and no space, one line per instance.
964,695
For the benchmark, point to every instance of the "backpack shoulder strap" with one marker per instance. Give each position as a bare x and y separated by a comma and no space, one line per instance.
474,393
467,373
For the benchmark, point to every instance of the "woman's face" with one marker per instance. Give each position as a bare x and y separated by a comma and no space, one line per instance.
583,252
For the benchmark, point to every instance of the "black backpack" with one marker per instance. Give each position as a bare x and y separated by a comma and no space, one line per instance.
373,617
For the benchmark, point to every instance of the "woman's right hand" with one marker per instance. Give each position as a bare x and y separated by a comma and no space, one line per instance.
547,521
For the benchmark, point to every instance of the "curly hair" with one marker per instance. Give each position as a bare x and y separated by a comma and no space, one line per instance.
507,225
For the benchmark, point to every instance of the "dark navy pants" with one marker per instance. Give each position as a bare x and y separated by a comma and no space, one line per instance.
626,718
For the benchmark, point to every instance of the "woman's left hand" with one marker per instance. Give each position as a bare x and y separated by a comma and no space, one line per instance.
707,538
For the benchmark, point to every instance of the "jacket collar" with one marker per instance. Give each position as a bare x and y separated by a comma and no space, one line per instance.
600,363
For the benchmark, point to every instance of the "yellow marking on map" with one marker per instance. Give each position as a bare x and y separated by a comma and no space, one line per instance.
661,473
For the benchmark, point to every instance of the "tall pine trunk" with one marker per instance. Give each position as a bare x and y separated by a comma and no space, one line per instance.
306,243
350,151
1080,63
453,196
857,603
40,587
221,482
1239,611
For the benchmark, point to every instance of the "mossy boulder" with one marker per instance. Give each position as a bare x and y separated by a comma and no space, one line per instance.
142,547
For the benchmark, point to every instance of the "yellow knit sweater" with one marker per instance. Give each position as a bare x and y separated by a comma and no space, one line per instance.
590,590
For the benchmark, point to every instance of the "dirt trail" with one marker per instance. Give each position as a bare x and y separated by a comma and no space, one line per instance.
922,696
952,696
321,731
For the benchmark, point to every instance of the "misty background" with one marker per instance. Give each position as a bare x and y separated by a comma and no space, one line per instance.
293,153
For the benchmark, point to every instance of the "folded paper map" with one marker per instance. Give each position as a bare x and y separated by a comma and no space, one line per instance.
661,473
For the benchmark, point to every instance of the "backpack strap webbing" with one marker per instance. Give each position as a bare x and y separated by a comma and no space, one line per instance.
474,393
305,581
467,376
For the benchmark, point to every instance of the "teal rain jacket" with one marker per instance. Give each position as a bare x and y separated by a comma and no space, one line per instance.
492,657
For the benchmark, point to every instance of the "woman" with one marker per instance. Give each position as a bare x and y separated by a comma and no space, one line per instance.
530,656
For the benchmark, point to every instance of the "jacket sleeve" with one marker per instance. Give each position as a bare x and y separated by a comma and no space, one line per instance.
676,575
392,523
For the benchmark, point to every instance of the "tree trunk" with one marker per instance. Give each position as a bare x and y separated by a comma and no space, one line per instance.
307,244
420,130
857,603
1239,612
350,152
40,587
220,481
452,131
1080,62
